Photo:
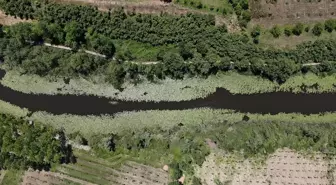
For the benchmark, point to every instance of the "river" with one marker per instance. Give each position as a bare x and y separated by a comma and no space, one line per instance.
272,103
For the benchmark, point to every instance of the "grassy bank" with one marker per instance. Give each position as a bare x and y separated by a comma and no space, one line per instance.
168,90
165,120
8,108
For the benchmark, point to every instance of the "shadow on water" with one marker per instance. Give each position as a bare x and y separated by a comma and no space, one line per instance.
257,103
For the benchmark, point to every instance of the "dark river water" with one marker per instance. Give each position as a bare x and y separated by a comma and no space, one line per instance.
91,105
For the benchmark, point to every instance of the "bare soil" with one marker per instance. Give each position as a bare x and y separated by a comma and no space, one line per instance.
285,166
43,177
270,12
9,20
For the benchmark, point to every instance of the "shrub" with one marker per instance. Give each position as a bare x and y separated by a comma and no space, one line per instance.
307,28
276,31
330,25
298,29
256,31
288,31
317,29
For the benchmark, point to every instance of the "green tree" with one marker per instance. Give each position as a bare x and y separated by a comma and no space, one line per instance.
307,28
256,31
115,74
257,66
280,69
298,29
23,33
102,45
202,48
2,34
74,35
80,63
288,31
55,34
317,29
242,65
330,25
186,51
276,31
174,65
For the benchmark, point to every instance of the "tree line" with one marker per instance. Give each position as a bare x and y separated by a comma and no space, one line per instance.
24,144
204,49
42,60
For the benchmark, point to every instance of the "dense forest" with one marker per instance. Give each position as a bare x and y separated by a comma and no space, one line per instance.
203,48
25,144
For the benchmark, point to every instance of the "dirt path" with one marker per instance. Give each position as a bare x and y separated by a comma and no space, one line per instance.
311,64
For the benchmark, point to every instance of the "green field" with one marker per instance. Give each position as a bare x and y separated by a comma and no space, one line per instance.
216,6
12,177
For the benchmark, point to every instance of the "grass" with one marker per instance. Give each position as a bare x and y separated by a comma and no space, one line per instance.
168,89
165,120
93,169
12,177
266,39
141,51
214,6
82,175
8,108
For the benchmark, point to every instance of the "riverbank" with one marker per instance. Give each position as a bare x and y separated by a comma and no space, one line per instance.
165,119
168,89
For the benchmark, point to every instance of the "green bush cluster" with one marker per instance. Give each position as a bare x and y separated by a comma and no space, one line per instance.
330,25
299,28
71,35
25,145
241,8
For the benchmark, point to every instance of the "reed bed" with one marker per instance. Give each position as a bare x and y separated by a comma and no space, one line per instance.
8,108
168,89
166,120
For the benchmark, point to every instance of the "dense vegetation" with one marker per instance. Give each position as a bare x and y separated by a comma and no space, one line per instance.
204,48
26,145
186,145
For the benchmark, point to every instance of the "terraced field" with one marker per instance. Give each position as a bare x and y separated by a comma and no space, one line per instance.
118,170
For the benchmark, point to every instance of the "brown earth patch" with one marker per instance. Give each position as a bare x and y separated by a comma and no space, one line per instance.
43,177
285,166
270,12
10,20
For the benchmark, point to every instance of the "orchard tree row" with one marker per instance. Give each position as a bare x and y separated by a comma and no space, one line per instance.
192,29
